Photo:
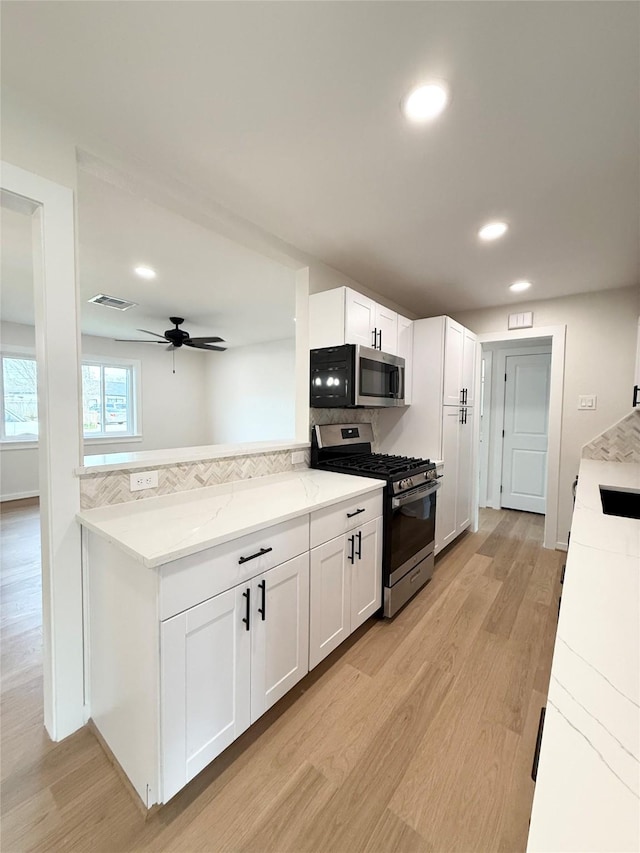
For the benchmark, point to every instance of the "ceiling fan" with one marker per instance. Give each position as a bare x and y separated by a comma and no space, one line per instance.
178,338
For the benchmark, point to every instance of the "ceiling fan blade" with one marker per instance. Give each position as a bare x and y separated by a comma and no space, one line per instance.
147,332
137,341
193,345
207,340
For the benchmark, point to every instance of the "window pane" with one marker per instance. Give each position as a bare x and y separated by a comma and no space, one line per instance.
20,397
91,399
116,397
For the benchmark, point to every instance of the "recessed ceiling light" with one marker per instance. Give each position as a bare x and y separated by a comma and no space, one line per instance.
493,230
425,102
519,286
145,272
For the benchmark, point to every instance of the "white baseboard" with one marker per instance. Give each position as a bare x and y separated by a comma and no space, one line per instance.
562,546
19,496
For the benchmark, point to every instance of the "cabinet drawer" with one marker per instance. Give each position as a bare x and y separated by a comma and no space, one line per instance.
335,520
186,582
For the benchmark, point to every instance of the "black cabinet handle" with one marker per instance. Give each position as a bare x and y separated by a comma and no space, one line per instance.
359,551
263,610
247,618
636,401
536,754
260,553
357,512
375,338
562,573
380,340
462,396
352,543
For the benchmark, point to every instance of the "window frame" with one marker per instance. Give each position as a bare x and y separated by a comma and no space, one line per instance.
25,354
135,366
134,432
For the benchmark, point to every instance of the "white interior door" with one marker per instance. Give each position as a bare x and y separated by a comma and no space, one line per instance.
526,428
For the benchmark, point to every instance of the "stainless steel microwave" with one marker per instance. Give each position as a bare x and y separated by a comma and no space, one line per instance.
352,375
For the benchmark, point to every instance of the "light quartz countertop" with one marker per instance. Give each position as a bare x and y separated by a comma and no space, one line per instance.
587,795
101,462
158,530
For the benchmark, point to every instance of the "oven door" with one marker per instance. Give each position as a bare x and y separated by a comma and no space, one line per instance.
411,529
379,378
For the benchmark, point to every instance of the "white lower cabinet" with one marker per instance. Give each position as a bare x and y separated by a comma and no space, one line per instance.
346,587
225,662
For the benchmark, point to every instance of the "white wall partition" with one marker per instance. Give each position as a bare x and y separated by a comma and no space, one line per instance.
52,211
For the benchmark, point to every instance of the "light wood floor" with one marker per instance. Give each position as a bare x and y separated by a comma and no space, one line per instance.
418,735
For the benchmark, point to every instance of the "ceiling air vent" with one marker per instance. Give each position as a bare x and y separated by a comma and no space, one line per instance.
112,302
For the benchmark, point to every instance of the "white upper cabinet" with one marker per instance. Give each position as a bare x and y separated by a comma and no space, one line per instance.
386,330
360,319
459,364
344,316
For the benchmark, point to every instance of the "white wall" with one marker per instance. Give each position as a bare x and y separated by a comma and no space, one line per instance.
251,393
174,406
599,359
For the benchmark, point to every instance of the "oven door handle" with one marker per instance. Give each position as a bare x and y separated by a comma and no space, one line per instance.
410,497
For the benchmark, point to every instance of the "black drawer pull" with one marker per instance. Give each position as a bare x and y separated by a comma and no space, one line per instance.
263,610
260,553
536,754
357,512
247,618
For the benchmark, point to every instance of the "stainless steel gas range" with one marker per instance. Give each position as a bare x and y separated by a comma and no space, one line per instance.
409,517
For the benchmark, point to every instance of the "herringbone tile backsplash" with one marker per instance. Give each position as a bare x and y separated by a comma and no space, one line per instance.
619,443
112,487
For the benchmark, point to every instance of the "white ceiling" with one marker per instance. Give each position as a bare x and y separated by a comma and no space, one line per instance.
216,285
288,114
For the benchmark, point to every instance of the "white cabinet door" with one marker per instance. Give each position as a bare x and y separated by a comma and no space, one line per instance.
405,349
329,596
453,349
467,380
464,489
366,571
360,319
446,528
279,632
387,329
205,685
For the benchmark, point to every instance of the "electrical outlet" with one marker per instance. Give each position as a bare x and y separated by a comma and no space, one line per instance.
587,402
143,480
297,457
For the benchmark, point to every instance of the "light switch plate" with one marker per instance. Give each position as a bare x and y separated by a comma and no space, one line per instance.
143,480
587,402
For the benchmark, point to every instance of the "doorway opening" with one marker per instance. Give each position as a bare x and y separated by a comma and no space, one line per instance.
521,378
514,424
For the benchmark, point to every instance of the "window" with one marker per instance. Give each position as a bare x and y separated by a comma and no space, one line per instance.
19,398
108,399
